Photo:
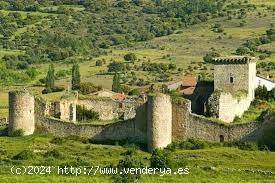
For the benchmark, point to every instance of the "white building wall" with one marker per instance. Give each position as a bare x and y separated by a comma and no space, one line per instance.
262,81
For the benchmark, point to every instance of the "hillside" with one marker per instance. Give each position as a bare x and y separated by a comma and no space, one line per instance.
211,164
155,32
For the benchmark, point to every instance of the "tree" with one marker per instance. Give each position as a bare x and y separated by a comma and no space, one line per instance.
75,77
115,67
243,51
261,92
116,87
130,57
50,78
209,56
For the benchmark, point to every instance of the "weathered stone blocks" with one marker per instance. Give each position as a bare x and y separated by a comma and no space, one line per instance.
21,112
159,121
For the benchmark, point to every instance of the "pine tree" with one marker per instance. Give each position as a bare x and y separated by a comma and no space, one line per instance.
75,77
50,80
116,87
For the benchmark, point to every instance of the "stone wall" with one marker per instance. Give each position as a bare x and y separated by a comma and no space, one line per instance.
243,77
157,123
126,130
230,106
269,84
180,116
109,109
21,112
226,107
187,125
199,127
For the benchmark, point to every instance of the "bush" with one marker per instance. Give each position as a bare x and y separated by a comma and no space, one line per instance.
17,133
261,92
52,90
88,87
57,140
134,92
32,72
115,67
209,56
192,144
99,63
268,136
250,146
130,57
243,51
127,162
24,155
159,159
53,153
62,73
83,114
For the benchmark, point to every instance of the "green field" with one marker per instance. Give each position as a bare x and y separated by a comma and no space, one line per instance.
213,164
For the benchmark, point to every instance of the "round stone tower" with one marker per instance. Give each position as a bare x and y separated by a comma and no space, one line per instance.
21,112
159,121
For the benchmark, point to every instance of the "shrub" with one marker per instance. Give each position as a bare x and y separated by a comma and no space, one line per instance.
193,144
261,92
99,63
125,88
83,114
130,57
17,133
159,159
62,73
32,72
115,67
268,136
250,146
209,56
54,89
53,153
88,87
24,155
243,51
134,92
127,162
57,140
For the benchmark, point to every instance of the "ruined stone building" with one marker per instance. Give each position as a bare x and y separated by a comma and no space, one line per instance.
157,121
234,87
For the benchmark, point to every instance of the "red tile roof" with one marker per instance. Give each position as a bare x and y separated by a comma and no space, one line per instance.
119,96
189,81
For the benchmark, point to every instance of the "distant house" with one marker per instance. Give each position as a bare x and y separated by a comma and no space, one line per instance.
261,81
181,84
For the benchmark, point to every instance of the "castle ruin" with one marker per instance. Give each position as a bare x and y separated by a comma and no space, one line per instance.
157,121
234,87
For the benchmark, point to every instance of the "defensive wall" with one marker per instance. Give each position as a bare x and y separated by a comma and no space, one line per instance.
157,122
226,106
232,75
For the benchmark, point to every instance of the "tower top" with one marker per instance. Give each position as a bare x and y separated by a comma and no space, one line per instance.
233,60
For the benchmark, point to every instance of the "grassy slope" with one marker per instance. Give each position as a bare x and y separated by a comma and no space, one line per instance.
230,164
186,48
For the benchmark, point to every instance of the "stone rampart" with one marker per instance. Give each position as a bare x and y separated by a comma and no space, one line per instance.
21,112
187,125
159,121
226,107
125,130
